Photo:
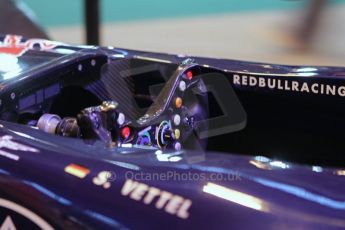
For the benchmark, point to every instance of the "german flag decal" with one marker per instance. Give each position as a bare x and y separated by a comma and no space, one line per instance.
77,170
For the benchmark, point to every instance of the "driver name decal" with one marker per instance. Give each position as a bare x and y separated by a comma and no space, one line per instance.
170,203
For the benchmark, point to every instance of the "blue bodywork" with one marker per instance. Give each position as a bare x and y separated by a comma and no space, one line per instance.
251,186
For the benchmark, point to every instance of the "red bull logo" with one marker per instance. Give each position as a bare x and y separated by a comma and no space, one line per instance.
14,45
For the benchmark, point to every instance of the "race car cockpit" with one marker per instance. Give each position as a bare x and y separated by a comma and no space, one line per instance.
135,102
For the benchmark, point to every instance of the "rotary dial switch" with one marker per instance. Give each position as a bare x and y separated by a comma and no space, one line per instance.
164,135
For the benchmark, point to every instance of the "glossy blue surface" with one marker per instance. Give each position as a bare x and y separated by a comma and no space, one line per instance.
59,178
